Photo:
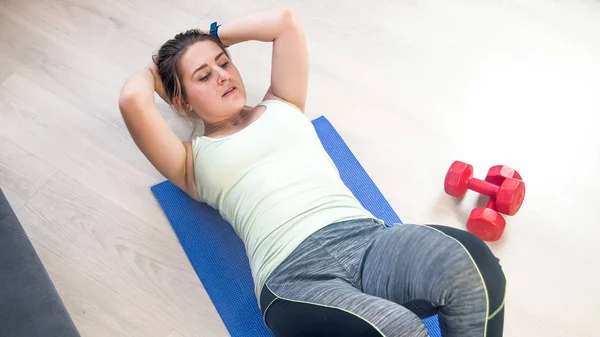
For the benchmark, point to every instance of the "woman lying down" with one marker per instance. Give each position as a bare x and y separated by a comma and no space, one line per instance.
322,264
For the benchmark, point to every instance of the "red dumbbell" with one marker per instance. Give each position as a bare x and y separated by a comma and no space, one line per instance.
509,195
486,222
497,174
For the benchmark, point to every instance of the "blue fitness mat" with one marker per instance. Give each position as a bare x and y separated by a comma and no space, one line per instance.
218,255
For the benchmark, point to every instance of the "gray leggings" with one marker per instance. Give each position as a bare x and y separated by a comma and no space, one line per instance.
362,278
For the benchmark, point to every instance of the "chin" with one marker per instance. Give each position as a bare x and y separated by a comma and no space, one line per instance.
238,103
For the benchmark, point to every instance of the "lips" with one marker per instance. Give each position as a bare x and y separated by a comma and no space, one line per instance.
229,91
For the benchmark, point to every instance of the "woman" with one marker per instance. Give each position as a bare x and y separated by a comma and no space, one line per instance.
322,264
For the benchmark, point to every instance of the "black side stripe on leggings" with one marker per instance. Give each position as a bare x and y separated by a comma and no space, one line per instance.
302,316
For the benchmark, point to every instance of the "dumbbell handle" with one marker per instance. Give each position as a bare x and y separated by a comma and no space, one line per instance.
483,187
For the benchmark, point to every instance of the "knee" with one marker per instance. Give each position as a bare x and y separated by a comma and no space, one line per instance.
486,262
491,273
495,283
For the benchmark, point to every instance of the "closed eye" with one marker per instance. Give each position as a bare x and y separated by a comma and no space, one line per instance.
205,78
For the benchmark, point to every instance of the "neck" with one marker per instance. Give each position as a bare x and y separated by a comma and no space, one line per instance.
232,121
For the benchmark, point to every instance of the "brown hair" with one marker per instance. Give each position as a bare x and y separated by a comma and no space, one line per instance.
167,61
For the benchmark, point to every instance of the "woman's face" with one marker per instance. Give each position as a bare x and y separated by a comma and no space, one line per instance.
213,85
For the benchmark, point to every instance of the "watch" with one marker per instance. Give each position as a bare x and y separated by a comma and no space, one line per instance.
214,30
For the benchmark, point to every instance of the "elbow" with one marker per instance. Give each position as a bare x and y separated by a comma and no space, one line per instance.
127,102
289,19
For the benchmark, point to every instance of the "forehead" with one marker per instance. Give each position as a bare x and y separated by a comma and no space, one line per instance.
197,54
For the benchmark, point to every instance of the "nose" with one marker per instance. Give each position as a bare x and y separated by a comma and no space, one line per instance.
223,75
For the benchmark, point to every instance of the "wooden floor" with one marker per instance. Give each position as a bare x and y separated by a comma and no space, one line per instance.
410,85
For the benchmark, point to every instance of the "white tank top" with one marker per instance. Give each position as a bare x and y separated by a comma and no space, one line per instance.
274,183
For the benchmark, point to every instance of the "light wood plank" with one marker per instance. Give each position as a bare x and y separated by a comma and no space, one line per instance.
21,174
5,72
126,256
79,68
175,334
79,145
96,309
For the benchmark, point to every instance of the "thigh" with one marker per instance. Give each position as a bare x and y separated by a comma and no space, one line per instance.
335,308
428,270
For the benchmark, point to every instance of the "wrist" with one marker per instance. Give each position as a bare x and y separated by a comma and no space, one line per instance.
214,32
264,26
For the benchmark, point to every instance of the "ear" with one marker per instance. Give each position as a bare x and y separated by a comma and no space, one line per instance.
181,104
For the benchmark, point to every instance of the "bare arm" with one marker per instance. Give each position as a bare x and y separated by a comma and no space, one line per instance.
169,155
289,68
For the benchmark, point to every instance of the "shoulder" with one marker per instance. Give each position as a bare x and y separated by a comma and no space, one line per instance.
271,99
